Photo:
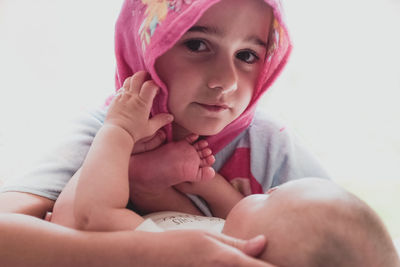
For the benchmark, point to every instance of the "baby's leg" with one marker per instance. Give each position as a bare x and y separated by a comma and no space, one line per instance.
173,163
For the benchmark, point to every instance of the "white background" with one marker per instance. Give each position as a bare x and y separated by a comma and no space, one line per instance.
340,90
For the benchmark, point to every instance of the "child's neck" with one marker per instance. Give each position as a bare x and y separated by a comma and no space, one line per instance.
178,132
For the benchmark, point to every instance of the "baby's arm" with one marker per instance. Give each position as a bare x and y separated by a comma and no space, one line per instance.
219,194
102,187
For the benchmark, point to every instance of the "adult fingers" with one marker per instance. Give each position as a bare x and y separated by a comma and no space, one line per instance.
252,262
252,247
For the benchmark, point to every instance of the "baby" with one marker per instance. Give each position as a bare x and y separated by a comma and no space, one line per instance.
313,222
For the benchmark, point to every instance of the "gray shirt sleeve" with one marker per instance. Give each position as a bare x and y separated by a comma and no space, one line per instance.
278,155
51,173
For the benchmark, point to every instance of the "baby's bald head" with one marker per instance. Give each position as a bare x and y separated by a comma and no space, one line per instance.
313,222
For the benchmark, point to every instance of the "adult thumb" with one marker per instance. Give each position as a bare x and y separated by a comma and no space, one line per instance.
252,247
160,120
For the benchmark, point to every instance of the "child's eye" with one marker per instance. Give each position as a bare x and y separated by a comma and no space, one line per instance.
248,57
196,45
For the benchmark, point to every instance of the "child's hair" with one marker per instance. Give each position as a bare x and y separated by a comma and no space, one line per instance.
315,223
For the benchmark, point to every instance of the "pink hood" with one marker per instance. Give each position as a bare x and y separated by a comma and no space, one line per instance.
146,29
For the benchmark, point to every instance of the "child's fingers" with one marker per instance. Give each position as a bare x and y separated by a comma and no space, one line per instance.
160,120
126,84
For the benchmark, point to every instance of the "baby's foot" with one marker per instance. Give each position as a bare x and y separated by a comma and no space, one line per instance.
171,164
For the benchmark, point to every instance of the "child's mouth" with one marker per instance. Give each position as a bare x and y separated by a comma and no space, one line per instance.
214,108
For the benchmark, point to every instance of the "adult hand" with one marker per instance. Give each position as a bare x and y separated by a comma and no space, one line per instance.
199,248
47,244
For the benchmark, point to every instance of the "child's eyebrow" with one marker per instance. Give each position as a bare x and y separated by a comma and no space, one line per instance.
205,29
215,31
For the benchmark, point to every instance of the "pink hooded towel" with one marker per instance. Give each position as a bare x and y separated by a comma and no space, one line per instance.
147,28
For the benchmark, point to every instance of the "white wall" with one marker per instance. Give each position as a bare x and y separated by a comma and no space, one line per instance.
56,58
341,89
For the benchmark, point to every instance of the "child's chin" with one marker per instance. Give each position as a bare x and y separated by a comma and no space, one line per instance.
208,131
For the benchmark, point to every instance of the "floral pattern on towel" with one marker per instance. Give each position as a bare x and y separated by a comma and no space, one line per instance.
156,12
275,39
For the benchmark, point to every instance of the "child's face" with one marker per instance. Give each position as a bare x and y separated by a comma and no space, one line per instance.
212,70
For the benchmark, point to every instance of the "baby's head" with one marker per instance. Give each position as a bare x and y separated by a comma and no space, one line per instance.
313,222
213,59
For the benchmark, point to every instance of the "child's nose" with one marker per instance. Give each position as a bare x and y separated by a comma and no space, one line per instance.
223,76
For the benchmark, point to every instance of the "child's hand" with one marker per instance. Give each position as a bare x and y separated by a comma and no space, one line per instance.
130,108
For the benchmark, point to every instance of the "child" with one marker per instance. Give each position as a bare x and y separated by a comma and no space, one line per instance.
211,75
210,81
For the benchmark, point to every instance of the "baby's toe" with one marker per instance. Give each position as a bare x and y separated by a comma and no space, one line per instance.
205,174
200,145
205,152
192,138
207,161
